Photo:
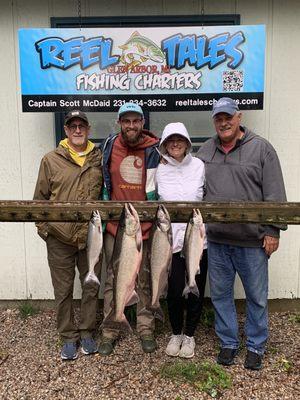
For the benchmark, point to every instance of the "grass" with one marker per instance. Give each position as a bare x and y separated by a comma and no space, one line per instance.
59,343
285,365
206,377
295,318
27,309
272,350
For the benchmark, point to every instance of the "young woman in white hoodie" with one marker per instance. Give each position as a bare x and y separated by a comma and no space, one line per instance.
180,177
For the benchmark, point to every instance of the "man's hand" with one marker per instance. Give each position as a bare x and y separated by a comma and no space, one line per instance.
270,244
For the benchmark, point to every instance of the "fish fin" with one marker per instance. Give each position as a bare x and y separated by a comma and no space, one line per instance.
190,289
134,298
135,33
202,230
186,291
138,240
91,278
169,269
110,322
157,312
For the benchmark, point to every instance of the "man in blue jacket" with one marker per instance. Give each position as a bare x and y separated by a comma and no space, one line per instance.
240,166
130,160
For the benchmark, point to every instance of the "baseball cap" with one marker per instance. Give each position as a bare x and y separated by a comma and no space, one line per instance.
225,105
76,114
130,107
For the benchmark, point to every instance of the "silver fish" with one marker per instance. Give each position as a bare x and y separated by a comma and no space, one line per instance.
192,250
126,261
94,246
160,252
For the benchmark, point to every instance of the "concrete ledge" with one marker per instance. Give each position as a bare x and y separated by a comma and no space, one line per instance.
275,305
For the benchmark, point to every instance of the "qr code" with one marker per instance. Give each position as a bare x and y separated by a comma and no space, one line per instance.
233,81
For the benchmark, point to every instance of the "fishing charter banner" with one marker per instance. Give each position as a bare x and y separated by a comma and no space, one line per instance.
161,69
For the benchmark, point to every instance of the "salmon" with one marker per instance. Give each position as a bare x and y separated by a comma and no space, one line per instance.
94,246
192,250
160,251
125,264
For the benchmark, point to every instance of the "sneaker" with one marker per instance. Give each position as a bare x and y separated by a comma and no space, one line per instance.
148,343
226,356
106,346
69,351
188,347
88,346
253,361
174,345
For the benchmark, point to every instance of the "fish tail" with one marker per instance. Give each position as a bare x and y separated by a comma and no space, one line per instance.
112,323
190,289
91,278
157,312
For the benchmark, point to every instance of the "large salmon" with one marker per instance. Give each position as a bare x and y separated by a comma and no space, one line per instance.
94,246
126,261
160,252
192,250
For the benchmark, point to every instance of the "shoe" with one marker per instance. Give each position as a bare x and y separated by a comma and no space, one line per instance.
148,343
174,345
69,351
188,347
253,361
106,346
88,346
226,356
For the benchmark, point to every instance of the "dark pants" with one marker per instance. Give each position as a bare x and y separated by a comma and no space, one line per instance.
175,300
63,259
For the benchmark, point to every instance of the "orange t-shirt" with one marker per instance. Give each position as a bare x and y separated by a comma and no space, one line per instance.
128,176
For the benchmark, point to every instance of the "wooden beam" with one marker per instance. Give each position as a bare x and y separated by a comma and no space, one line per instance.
80,211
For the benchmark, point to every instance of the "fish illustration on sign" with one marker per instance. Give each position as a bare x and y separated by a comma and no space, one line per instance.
139,49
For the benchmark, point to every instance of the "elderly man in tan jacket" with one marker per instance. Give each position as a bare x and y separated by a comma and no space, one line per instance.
71,172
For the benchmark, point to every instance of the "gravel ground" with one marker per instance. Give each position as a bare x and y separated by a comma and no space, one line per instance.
30,365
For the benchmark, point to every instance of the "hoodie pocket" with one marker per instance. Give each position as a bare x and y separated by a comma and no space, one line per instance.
64,231
232,231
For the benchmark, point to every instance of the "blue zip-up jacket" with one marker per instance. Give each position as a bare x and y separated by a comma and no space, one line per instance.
152,158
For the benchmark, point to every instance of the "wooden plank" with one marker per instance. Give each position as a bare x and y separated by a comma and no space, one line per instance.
80,211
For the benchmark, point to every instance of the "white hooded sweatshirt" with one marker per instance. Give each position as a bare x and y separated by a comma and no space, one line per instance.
179,181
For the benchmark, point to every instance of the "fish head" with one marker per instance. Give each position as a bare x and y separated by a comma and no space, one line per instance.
132,221
155,54
163,220
197,217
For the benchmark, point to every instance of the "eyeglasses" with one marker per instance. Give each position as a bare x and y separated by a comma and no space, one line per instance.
74,127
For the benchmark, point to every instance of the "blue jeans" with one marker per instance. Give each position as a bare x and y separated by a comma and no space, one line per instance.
251,264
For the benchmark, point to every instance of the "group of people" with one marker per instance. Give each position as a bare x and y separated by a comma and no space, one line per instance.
134,164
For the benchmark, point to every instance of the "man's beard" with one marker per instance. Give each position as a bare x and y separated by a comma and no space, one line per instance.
130,140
